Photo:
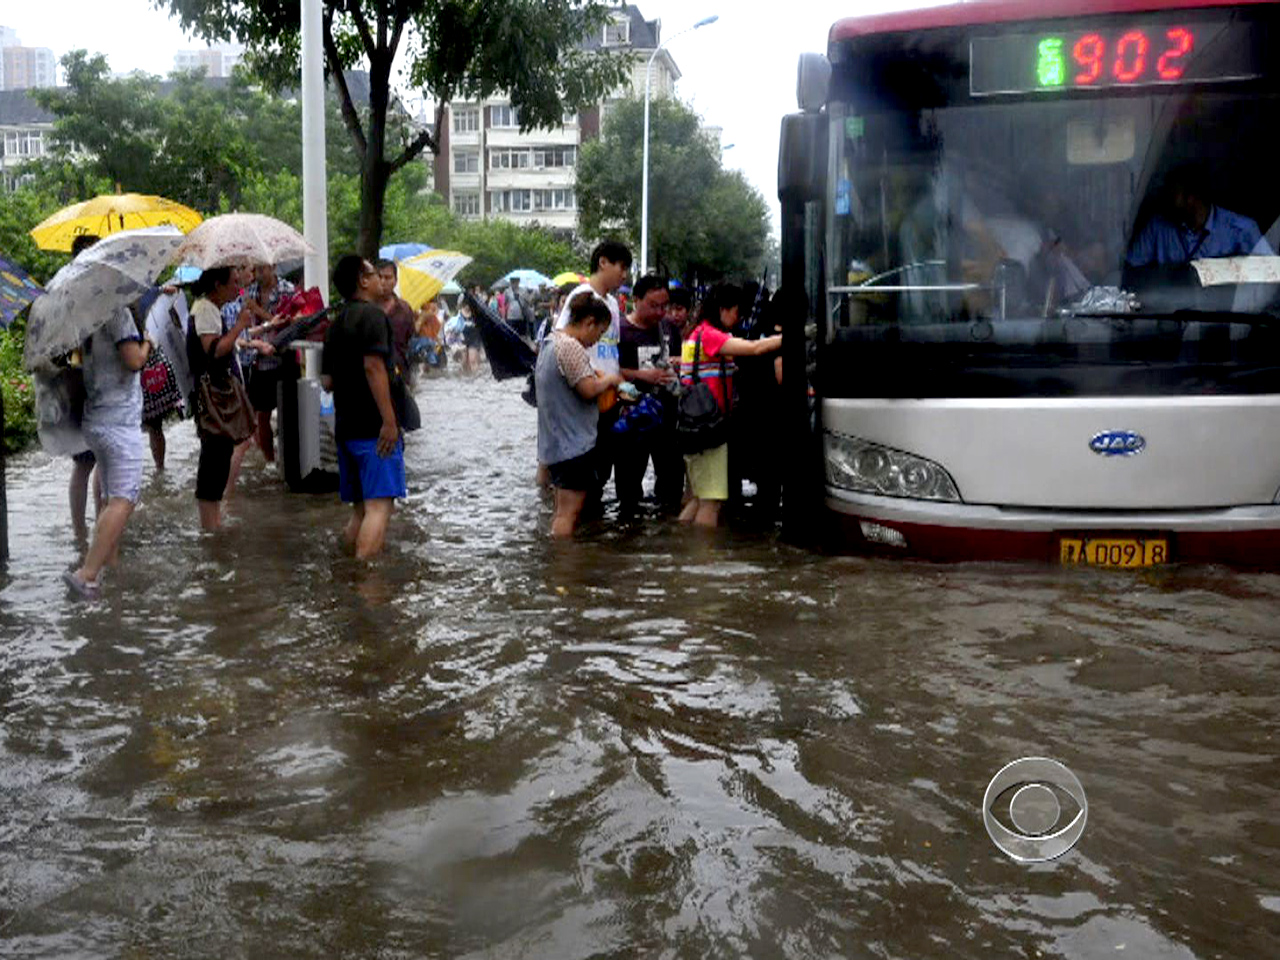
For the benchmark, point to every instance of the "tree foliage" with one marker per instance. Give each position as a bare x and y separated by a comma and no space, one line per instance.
187,139
452,48
704,222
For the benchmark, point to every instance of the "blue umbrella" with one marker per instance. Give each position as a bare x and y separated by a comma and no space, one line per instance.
402,251
186,274
17,289
527,278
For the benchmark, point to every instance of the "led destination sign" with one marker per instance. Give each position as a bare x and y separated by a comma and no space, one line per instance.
1133,55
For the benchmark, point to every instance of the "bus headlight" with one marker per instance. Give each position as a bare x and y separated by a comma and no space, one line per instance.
870,468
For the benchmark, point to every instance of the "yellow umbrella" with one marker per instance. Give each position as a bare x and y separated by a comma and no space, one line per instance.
111,213
424,276
560,279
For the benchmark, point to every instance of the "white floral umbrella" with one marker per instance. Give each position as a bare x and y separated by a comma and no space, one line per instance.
242,239
85,294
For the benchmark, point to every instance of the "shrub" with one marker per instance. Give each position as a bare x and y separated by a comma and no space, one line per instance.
19,395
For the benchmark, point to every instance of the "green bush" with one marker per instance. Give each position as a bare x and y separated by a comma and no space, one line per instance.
19,395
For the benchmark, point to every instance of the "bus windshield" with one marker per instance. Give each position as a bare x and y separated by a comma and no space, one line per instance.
1116,241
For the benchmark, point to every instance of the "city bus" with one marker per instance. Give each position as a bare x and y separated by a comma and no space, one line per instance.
1029,266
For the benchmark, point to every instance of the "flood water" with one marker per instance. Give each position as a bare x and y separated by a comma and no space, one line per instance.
646,743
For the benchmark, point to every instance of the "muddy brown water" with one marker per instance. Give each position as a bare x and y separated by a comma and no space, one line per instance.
646,743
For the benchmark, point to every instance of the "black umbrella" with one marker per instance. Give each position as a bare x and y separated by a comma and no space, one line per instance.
509,355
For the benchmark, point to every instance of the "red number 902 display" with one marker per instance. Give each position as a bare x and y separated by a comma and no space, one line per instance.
1130,59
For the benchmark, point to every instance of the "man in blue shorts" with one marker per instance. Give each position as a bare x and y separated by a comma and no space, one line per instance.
356,366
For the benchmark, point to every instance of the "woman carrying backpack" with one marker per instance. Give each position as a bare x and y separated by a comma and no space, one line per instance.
706,367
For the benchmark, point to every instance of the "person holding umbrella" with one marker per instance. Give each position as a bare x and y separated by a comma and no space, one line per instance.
86,304
112,425
210,350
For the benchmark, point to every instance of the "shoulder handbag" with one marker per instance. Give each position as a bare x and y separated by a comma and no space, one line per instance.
222,406
700,423
407,414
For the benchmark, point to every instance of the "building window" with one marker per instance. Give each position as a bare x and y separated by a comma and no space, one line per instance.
466,204
466,119
552,158
617,32
512,201
553,200
509,159
34,144
466,161
504,115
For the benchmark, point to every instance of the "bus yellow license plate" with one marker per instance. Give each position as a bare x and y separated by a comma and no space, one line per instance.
1114,552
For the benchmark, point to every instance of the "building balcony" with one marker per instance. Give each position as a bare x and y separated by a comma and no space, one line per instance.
512,137
560,178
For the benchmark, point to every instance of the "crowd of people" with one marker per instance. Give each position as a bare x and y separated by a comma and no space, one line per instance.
132,386
608,384
609,388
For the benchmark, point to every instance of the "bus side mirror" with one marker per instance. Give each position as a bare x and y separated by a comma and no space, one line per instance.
812,82
802,158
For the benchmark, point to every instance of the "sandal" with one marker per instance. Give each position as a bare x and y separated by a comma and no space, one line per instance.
81,587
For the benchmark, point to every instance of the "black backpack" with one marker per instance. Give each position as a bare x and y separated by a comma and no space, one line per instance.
700,423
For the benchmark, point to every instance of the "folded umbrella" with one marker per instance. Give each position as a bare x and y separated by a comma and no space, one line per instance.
242,239
423,277
17,289
509,356
111,213
85,294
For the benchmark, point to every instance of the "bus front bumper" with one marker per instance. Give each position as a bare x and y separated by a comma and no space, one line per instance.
1246,536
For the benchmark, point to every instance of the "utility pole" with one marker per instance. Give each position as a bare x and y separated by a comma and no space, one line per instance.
315,211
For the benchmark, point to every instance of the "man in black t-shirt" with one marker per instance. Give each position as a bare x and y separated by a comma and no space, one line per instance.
644,360
356,366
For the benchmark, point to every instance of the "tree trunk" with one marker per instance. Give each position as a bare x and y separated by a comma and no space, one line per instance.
376,171
373,194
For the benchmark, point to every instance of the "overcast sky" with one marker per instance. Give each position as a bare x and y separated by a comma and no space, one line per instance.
738,73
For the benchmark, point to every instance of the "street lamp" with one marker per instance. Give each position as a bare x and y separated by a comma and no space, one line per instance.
644,183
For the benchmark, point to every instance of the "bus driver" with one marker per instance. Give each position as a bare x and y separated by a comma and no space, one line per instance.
1195,228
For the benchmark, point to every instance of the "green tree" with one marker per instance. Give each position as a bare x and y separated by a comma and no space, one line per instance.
453,49
186,139
704,221
497,246
132,134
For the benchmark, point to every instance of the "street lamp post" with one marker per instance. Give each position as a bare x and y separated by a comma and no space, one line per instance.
644,183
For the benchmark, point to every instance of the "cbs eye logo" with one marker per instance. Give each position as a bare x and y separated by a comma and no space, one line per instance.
1032,791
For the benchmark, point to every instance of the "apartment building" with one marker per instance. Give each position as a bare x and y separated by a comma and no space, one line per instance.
26,130
217,61
22,68
488,167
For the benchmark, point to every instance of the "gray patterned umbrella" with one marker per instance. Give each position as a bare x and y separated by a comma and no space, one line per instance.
86,293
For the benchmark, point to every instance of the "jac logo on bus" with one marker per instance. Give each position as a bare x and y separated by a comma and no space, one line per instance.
1118,443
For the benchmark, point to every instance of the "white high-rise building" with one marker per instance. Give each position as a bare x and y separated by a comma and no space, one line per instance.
22,68
218,61
488,167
